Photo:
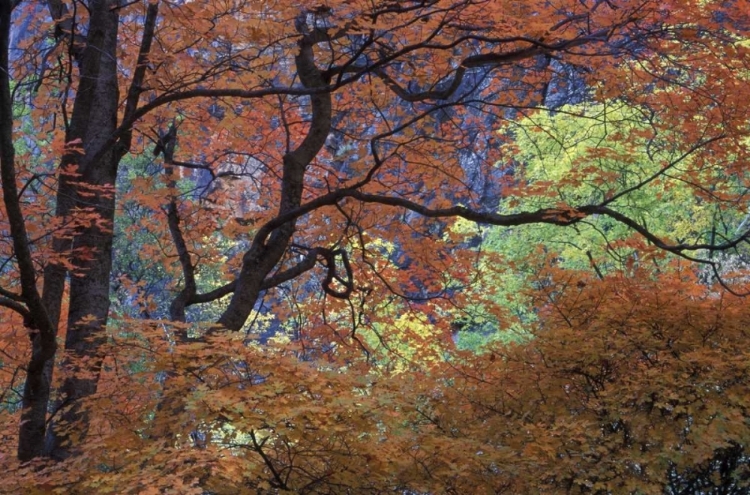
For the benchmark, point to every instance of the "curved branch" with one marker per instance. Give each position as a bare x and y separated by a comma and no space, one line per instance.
537,48
332,274
307,263
664,169
136,84
17,307
213,295
44,343
553,216
177,307
10,295
355,71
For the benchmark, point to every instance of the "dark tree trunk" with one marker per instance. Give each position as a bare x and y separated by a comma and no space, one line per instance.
268,247
94,121
36,388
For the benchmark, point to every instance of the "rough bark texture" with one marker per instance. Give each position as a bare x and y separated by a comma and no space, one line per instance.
93,121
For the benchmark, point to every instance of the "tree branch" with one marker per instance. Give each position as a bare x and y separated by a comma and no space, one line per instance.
17,307
139,74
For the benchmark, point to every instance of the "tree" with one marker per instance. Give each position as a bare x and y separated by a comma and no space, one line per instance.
578,149
347,124
631,384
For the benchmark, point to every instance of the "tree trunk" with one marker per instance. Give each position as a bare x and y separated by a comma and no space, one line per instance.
268,247
36,388
93,122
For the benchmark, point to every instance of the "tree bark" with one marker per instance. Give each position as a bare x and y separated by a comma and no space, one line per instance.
268,248
36,388
93,121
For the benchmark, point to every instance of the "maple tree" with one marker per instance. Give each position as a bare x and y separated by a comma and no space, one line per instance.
625,388
551,147
274,148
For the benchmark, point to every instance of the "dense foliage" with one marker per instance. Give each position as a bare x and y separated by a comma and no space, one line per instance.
428,246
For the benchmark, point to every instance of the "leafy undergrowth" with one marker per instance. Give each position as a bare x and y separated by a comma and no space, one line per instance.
630,385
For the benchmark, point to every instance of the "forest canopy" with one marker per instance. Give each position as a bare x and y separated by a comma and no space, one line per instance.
423,246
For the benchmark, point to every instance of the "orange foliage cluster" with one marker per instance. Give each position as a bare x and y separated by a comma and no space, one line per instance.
625,381
343,145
